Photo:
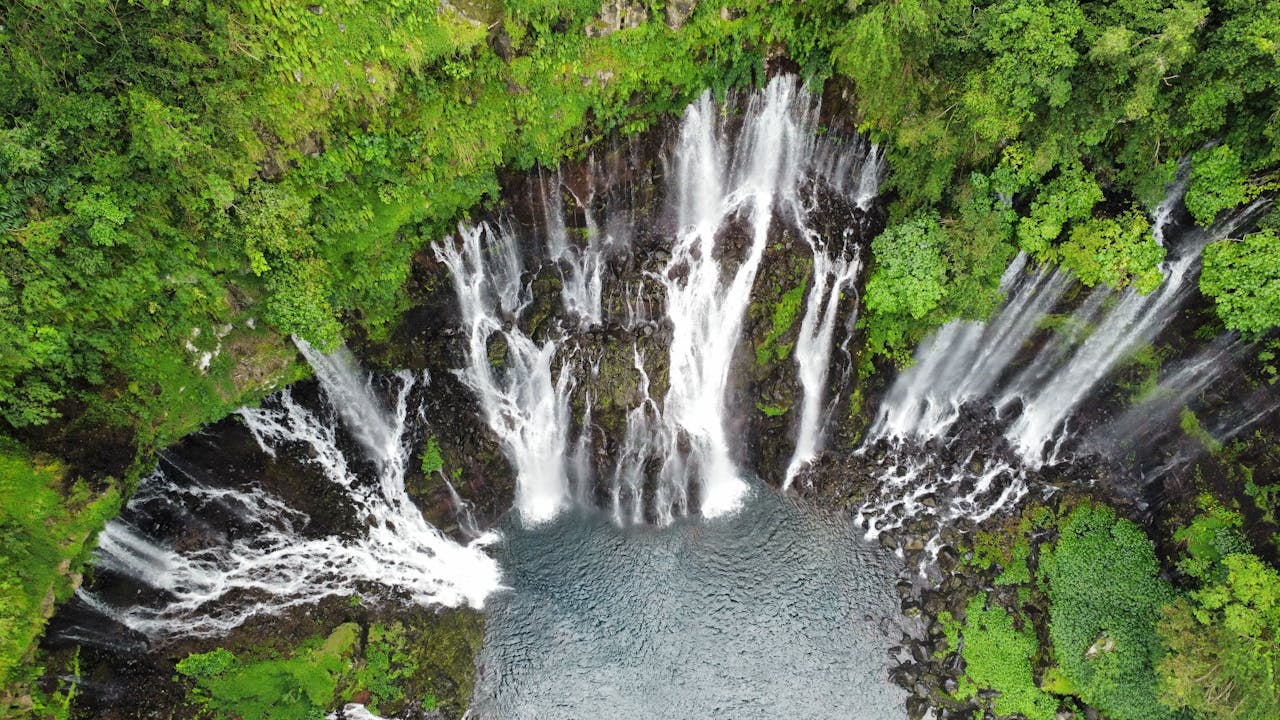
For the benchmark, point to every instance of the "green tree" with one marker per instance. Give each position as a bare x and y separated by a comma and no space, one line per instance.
1117,251
1217,183
1067,198
1223,642
1243,278
1106,595
909,279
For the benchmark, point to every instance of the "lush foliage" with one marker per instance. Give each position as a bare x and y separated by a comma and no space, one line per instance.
1243,278
1224,638
1115,251
1122,640
48,524
1217,183
176,173
909,280
785,314
432,460
300,687
1224,644
997,655
423,657
1105,597
1059,102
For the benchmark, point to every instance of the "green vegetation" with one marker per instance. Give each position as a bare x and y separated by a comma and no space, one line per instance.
1224,644
909,281
772,410
998,655
48,525
1009,547
1217,183
184,184
218,166
784,316
386,666
432,460
1121,639
299,687
1243,278
1190,424
1058,103
1105,597
1115,251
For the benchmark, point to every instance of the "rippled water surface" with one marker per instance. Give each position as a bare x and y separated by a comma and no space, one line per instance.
773,612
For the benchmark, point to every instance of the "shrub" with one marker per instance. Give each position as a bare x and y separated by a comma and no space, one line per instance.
998,655
1105,597
1243,278
1224,645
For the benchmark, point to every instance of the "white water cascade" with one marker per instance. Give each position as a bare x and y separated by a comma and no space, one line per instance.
831,278
1133,320
1033,399
275,565
734,183
967,361
523,404
581,281
705,309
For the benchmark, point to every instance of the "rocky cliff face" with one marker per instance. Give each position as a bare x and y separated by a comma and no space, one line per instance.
615,208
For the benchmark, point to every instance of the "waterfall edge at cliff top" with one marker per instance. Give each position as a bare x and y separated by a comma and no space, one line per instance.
733,181
962,433
270,560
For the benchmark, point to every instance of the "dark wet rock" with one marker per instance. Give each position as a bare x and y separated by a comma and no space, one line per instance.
920,651
947,559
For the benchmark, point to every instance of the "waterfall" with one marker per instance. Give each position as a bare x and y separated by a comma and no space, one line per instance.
1033,401
523,404
1162,216
581,281
1134,320
1155,415
831,277
967,361
271,563
854,171
734,181
705,309
350,393
964,360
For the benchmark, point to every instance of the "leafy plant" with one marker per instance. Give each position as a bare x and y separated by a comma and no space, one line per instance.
432,460
1106,594
1224,645
997,655
1243,278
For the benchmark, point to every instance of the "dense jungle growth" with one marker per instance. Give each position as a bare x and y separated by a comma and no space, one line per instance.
186,184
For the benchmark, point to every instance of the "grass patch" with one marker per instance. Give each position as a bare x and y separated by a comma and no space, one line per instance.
772,410
47,529
422,657
299,687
